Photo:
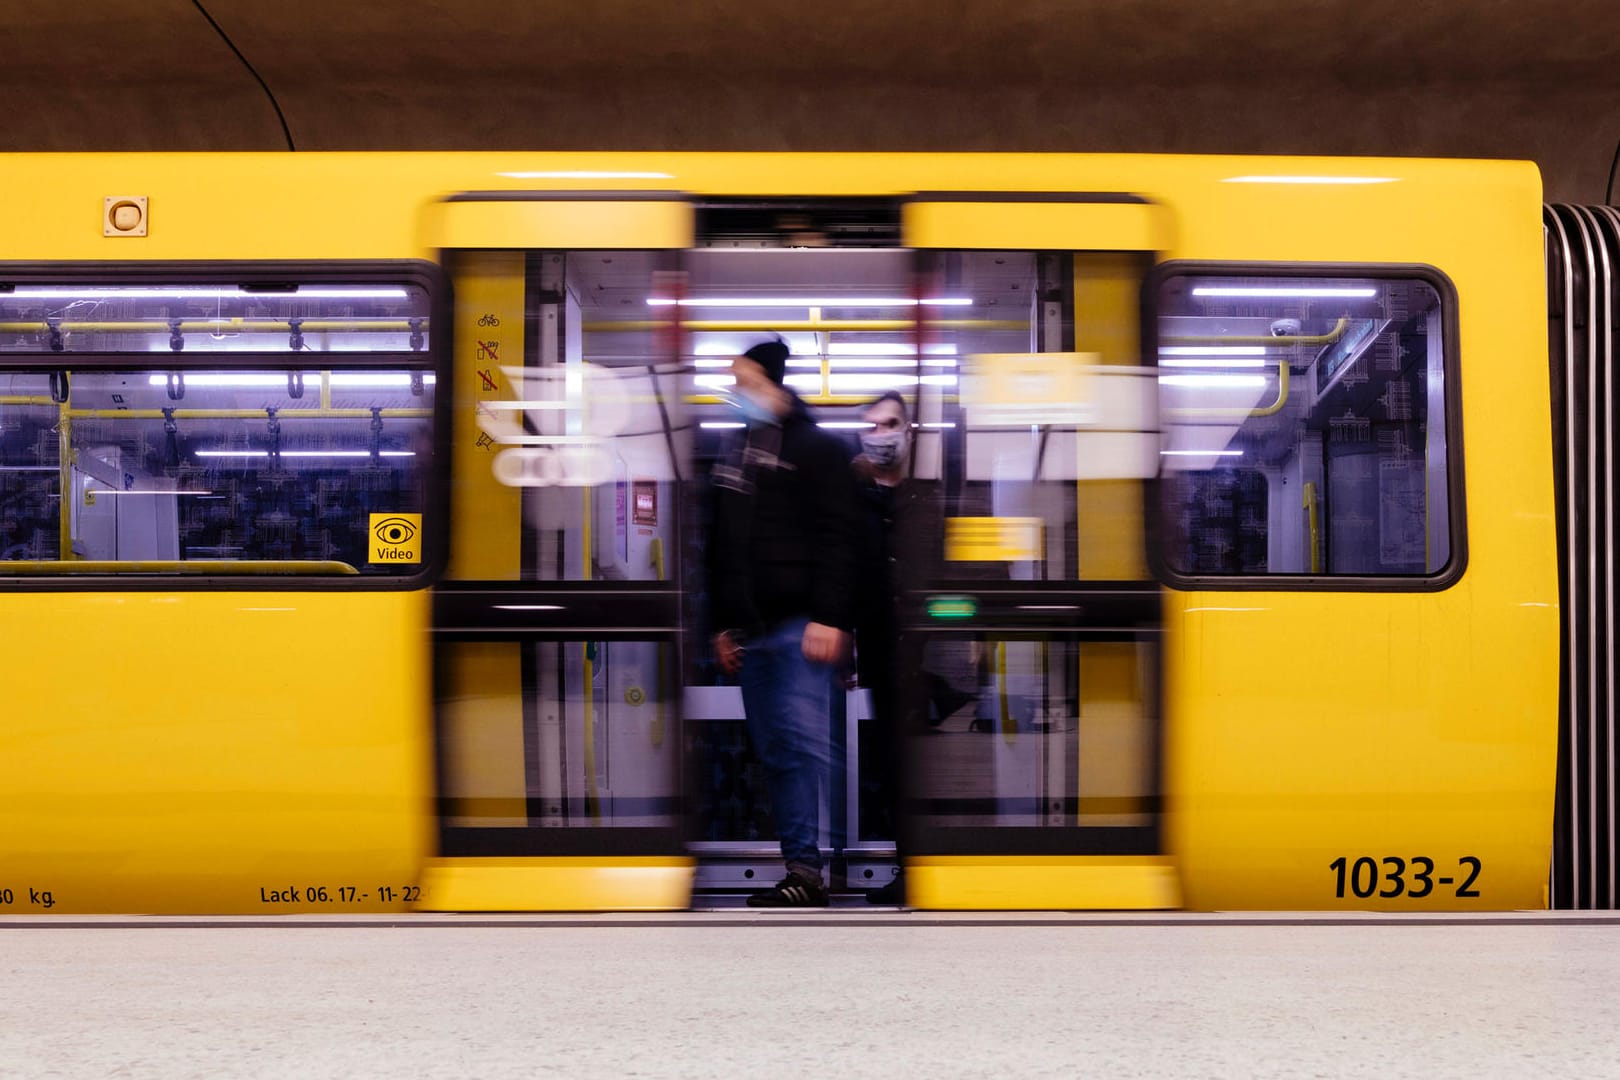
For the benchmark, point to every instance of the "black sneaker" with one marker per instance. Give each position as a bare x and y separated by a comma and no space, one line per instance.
795,890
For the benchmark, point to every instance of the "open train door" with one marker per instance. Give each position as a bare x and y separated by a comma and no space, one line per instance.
557,626
1031,726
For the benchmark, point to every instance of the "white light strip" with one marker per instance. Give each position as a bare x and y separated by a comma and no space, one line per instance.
837,348
304,453
859,363
722,425
586,174
528,607
1310,179
843,363
936,424
1212,362
707,362
1212,350
312,379
861,381
1200,453
844,425
1222,382
184,293
855,348
1282,292
811,301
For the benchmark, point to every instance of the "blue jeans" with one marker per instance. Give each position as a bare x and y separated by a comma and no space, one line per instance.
788,700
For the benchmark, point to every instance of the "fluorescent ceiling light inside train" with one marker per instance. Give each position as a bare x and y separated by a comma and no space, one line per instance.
304,453
1212,350
812,301
1213,382
1284,292
1309,180
250,380
1212,362
185,293
861,381
892,348
1200,453
586,174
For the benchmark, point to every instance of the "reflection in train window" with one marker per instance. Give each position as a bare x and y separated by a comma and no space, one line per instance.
1304,426
232,471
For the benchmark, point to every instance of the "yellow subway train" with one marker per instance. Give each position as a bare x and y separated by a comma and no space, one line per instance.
351,528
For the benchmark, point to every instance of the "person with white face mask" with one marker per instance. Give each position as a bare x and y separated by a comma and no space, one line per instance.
897,536
781,575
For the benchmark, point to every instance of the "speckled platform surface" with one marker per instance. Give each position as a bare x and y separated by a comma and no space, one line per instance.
857,994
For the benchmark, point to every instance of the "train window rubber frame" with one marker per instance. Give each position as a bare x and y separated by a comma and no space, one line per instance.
272,276
1438,581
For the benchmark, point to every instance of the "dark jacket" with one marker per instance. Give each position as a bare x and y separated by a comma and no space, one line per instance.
784,529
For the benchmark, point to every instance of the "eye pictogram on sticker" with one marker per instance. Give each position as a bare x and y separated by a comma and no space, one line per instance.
395,538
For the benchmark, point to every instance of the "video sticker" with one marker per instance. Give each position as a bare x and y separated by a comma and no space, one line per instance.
395,538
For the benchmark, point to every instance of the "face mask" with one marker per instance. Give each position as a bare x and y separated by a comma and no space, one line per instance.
882,449
752,410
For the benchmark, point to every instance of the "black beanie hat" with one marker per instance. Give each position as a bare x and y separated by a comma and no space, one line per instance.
772,357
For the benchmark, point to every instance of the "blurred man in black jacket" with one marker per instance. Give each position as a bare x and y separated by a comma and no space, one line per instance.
781,561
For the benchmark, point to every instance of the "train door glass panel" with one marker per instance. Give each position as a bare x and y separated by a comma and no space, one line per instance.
846,309
559,710
1034,701
1305,426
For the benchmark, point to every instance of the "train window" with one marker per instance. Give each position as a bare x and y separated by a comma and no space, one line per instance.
234,455
1304,426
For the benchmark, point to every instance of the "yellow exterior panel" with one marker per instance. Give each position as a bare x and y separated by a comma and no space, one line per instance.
1066,882
1036,226
569,223
211,751
627,883
484,513
481,724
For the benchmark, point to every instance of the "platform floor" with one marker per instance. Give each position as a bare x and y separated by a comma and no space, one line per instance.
823,994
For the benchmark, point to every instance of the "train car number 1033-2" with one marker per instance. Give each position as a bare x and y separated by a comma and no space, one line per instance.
1414,878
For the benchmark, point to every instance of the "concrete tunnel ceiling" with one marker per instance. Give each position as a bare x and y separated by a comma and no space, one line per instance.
1477,78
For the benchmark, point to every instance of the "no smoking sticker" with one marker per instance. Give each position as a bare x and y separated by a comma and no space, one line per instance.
395,538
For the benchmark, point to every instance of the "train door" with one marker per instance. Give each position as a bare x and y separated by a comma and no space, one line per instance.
558,626
831,278
1031,631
